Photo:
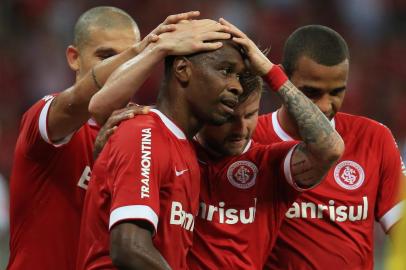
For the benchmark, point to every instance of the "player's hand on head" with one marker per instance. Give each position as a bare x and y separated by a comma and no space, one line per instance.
112,123
259,63
173,19
191,36
167,26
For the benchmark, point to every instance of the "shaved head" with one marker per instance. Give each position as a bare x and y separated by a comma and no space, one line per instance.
103,17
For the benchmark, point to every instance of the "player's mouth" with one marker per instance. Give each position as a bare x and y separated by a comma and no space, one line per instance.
229,104
237,141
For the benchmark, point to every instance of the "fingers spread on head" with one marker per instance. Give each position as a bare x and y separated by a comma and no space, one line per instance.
209,46
182,16
214,36
232,28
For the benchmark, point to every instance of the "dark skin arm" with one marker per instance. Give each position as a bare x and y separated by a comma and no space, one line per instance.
131,247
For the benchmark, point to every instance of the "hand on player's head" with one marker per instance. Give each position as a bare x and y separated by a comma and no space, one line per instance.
168,25
259,63
192,36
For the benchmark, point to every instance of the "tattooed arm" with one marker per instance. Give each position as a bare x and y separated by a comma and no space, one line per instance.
322,146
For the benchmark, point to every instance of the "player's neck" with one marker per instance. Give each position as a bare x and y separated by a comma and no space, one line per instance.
179,112
287,123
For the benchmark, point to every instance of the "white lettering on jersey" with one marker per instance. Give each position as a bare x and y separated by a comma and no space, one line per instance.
339,214
84,178
145,161
180,217
227,215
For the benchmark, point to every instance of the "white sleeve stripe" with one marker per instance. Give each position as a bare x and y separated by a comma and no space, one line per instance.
134,212
288,172
392,216
43,126
287,169
43,120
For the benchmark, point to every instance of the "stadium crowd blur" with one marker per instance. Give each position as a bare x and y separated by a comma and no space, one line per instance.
34,35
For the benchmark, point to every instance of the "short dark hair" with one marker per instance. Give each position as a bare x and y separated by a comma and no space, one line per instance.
102,16
320,43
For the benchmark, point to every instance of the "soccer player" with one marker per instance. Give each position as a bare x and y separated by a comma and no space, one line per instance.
143,195
246,187
53,156
331,226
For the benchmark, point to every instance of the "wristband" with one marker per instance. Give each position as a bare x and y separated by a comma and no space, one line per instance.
275,78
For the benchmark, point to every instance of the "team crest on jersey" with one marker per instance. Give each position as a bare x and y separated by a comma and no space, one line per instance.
242,174
349,174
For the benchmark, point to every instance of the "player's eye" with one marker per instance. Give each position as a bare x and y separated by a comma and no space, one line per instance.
311,93
226,71
105,56
336,92
250,115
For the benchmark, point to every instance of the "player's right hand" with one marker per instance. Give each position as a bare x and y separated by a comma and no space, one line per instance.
168,25
112,123
192,36
259,63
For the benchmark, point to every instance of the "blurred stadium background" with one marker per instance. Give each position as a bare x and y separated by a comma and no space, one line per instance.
35,33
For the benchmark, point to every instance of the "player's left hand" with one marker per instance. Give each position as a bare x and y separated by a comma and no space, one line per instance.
259,63
112,123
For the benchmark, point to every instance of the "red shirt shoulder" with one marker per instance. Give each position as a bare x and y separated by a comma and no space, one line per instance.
147,171
47,188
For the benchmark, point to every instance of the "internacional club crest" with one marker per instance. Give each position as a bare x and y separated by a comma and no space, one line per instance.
242,174
349,174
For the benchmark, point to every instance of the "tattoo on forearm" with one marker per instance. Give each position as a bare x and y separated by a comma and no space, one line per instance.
314,127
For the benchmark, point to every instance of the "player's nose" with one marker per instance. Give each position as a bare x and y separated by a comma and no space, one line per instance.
325,105
235,87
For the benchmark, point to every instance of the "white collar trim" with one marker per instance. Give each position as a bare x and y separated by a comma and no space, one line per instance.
281,133
278,129
170,125
247,147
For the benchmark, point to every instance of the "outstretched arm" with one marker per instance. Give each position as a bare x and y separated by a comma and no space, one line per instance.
189,37
322,146
69,110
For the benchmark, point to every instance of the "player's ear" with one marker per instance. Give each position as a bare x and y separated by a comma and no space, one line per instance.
182,69
72,56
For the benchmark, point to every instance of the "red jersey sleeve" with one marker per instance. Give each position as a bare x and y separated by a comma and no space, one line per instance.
34,139
262,131
388,208
139,163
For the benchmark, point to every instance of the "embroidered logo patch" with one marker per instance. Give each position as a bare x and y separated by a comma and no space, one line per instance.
242,174
349,174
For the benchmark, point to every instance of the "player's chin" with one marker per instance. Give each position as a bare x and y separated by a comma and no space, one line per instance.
234,148
219,118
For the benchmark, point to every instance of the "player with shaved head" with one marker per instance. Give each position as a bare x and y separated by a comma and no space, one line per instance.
54,151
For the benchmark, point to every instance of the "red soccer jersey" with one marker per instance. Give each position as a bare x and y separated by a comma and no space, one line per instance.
331,226
47,189
243,200
147,171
